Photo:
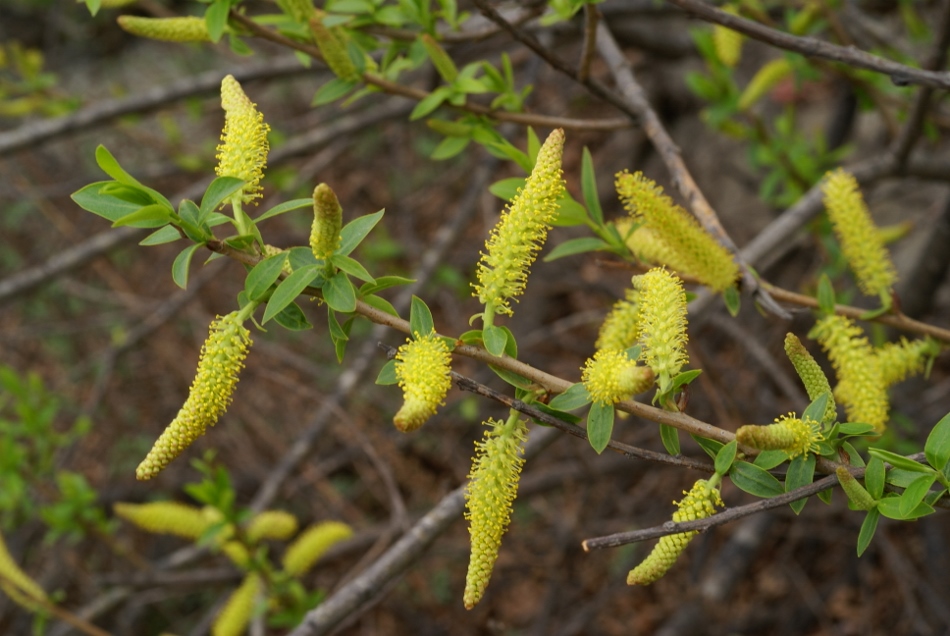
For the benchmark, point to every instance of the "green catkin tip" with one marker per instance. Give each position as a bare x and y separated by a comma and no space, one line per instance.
521,231
299,10
698,252
763,81
239,609
165,517
859,237
423,370
312,544
621,327
184,29
272,524
222,358
492,488
700,502
789,433
861,387
610,376
662,303
327,223
860,498
243,150
16,583
332,42
814,379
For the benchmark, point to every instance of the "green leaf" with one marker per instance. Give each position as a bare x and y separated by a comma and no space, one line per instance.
853,454
816,410
420,318
890,507
825,496
826,296
286,206
767,460
356,230
146,216
574,398
449,147
340,294
110,165
167,234
264,275
289,289
182,264
733,300
512,378
725,457
216,18
589,187
332,91
380,303
430,102
855,429
915,493
600,425
495,339
507,189
569,212
352,267
670,438
711,446
292,318
868,527
339,334
754,480
937,448
387,375
899,461
561,415
874,478
576,246
900,478
110,207
219,190
801,472
384,282
684,378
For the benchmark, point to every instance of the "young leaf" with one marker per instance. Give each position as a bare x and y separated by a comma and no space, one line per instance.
754,480
420,318
340,294
352,267
576,246
899,461
890,507
167,234
219,190
733,300
506,189
289,289
339,334
110,165
711,446
937,448
684,378
826,296
767,460
216,17
915,493
874,478
589,187
816,410
569,212
600,425
332,91
264,275
380,303
154,215
855,429
495,339
356,230
182,264
670,438
515,380
387,375
286,206
725,457
383,282
868,527
574,398
801,472
92,199
292,318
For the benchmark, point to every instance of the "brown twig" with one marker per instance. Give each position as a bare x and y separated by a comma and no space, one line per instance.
591,18
900,74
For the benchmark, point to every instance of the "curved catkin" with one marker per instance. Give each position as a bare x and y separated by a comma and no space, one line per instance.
222,358
423,370
306,550
700,502
16,583
492,488
243,150
518,236
859,237
165,517
814,379
662,323
610,376
859,497
763,81
621,327
239,609
793,435
905,358
181,29
698,252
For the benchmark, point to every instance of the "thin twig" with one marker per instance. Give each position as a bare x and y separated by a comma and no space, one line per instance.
591,18
900,74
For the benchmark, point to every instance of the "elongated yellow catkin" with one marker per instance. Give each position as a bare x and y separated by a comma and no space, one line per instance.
662,303
814,379
243,150
791,434
239,609
610,376
184,29
423,369
166,517
271,524
16,583
312,544
621,327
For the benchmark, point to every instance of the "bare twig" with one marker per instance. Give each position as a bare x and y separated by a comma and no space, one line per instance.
900,74
591,18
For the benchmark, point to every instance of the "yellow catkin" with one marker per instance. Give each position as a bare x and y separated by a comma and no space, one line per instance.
185,29
900,360
610,376
312,544
861,388
521,231
423,370
662,324
814,379
165,517
763,81
700,502
332,42
327,223
243,150
272,524
239,609
860,240
647,246
698,252
727,43
221,360
621,327
16,583
492,488
789,433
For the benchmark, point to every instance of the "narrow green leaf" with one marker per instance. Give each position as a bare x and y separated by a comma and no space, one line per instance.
289,289
890,508
292,318
429,103
855,429
534,146
383,282
853,454
110,165
684,378
937,448
264,275
511,378
574,398
495,339
754,480
915,493
899,461
216,18
352,267
670,438
219,190
506,189
182,264
167,234
561,415
600,425
711,446
825,496
449,147
816,410
826,296
570,213
340,294
801,472
339,334
767,460
725,457
332,91
356,230
387,375
286,206
874,478
733,300
110,207
576,246
589,187
380,303
148,216
420,318
868,528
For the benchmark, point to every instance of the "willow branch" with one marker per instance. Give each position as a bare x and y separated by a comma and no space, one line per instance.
900,74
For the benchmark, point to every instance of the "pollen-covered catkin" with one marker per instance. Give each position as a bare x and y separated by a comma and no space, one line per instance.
611,376
165,517
271,524
237,612
900,360
244,146
180,29
662,302
222,358
788,433
312,544
423,370
621,327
